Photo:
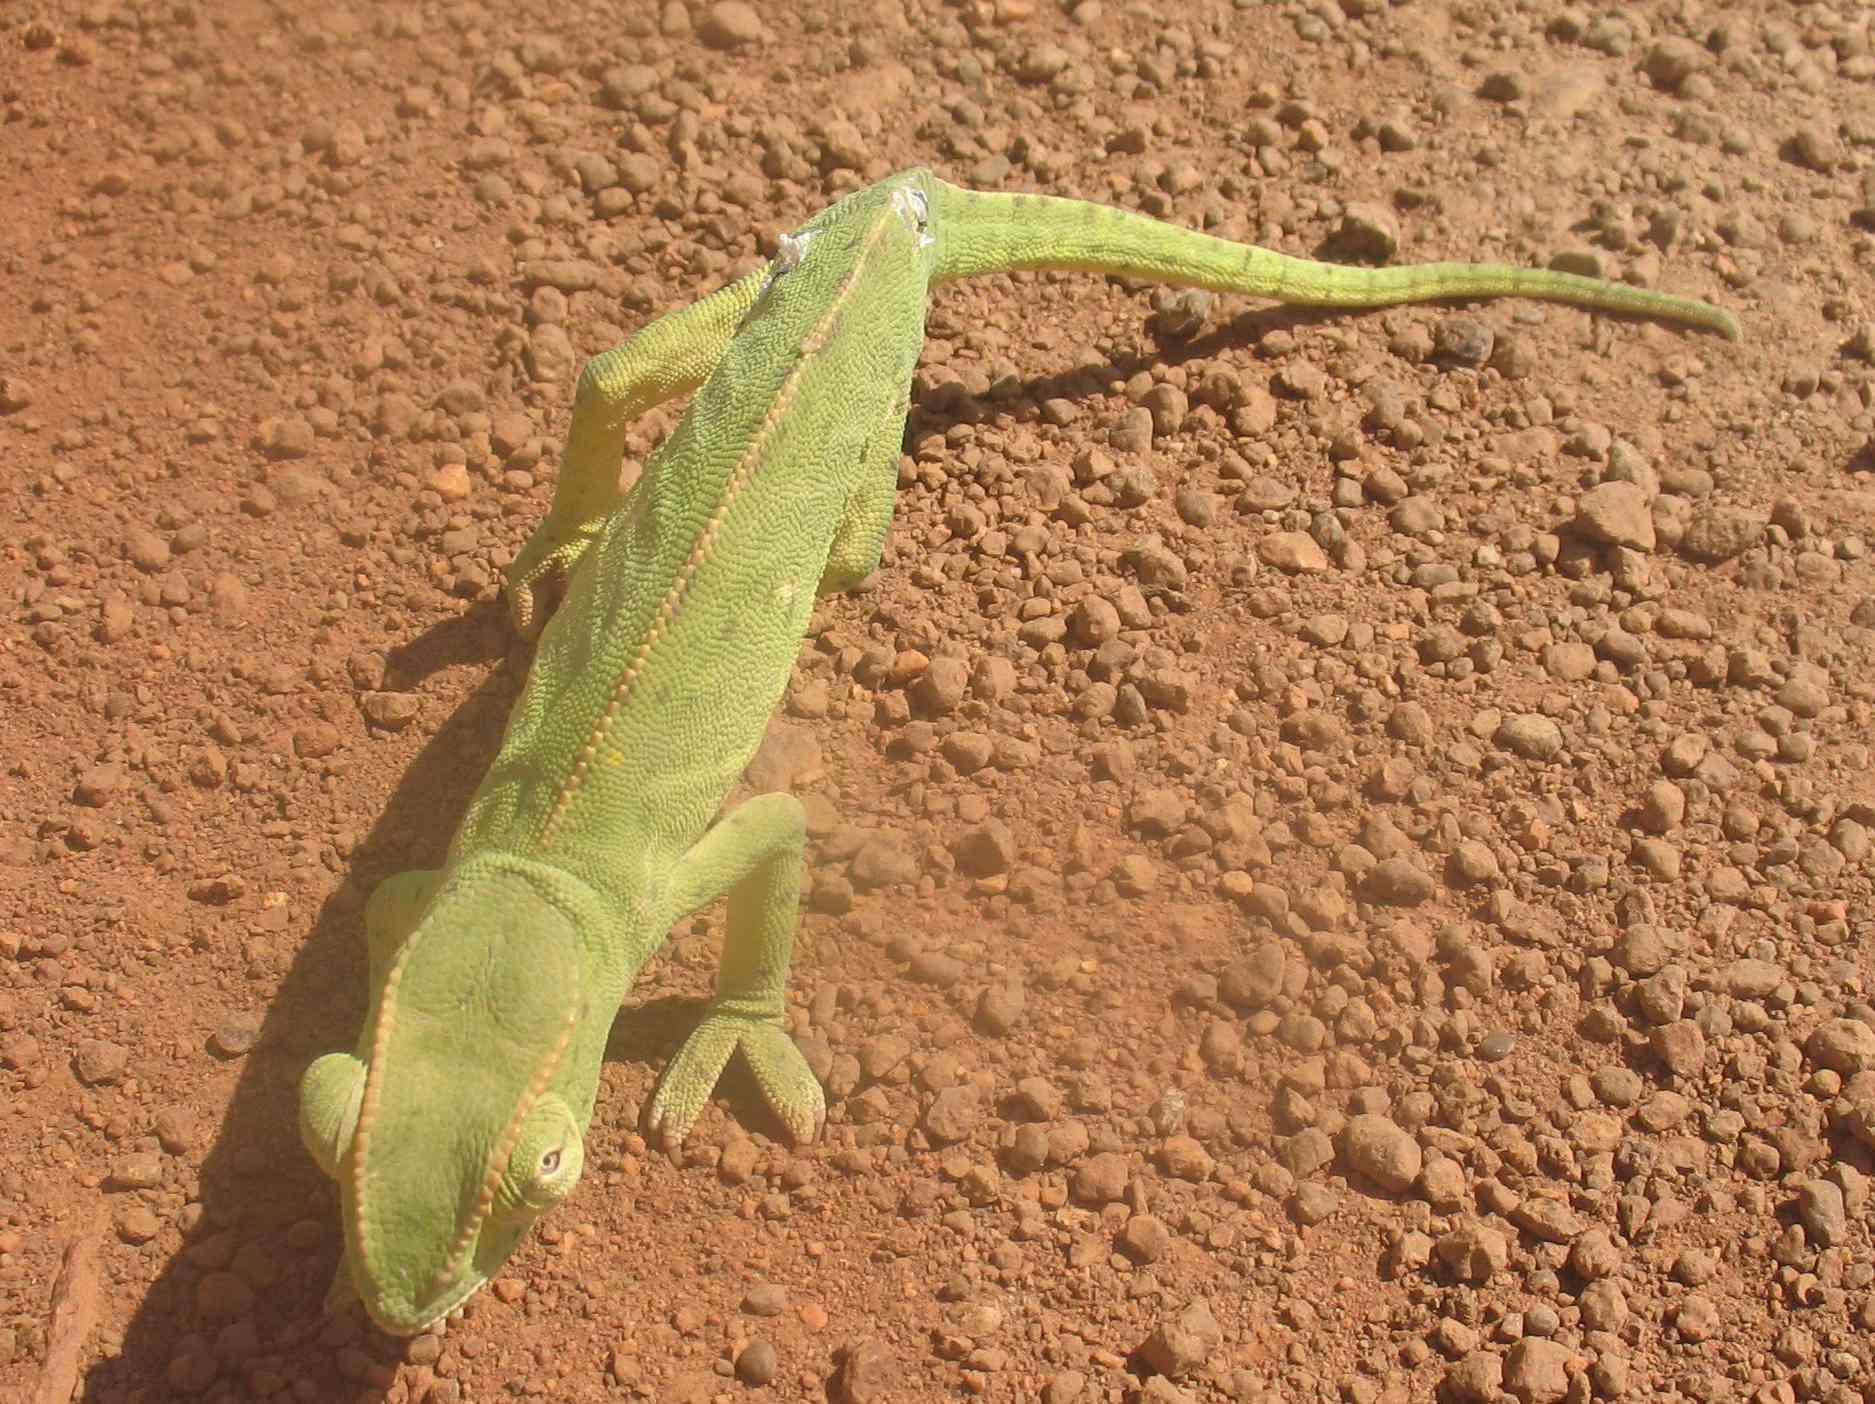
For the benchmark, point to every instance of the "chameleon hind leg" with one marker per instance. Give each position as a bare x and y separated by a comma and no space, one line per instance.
754,854
672,355
859,539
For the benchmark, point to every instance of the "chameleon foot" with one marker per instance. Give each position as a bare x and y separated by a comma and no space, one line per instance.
544,563
788,1084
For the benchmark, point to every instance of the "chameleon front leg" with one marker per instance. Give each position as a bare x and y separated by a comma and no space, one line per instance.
330,1088
754,853
671,356
392,912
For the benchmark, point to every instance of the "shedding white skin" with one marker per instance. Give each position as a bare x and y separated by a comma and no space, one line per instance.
912,207
789,252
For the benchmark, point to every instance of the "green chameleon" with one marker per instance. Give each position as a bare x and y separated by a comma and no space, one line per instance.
495,979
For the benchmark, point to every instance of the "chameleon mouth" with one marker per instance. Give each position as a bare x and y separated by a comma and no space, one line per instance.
426,1314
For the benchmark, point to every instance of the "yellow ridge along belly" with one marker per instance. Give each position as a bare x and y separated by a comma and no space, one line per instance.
744,472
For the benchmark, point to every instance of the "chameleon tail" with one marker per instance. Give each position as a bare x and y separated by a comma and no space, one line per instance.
1003,233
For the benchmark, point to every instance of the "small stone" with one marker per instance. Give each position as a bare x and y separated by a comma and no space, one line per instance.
1474,1252
1295,552
1064,1387
223,1296
953,1114
730,24
1145,1238
235,1038
290,437
1672,60
1314,1204
15,394
1822,1212
1477,1379
99,1063
987,850
1185,1158
757,1363
1604,1305
1594,1255
1531,736
390,711
98,784
136,1223
146,550
1100,1179
1385,1153
1550,1220
1180,1345
227,597
1000,1008
316,740
143,1170
1616,514
1845,1046
1253,981
1697,1318
883,860
451,482
1717,534
1397,882
1536,1371
868,1372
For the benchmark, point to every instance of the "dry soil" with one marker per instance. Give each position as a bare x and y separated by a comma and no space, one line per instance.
1342,842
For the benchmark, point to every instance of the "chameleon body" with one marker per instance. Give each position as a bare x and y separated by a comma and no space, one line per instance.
494,980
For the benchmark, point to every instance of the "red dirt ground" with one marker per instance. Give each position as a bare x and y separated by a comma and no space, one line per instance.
1443,972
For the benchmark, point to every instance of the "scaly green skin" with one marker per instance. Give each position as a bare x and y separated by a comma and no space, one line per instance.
459,1117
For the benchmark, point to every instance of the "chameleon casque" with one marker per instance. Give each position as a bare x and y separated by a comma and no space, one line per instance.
494,980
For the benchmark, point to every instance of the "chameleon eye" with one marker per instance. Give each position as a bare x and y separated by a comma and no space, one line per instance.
546,1162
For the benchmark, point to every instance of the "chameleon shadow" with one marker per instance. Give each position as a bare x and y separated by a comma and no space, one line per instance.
243,1296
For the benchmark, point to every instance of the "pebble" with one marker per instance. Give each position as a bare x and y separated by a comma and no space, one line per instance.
1182,1344
765,1299
868,1373
1477,1379
1844,1046
1822,1212
1294,552
1384,1153
1398,882
1100,1179
1531,736
757,1363
1616,514
1697,1318
1474,1252
100,1063
1717,534
1536,1371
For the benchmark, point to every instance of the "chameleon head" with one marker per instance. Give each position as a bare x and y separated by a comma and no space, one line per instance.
453,1136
